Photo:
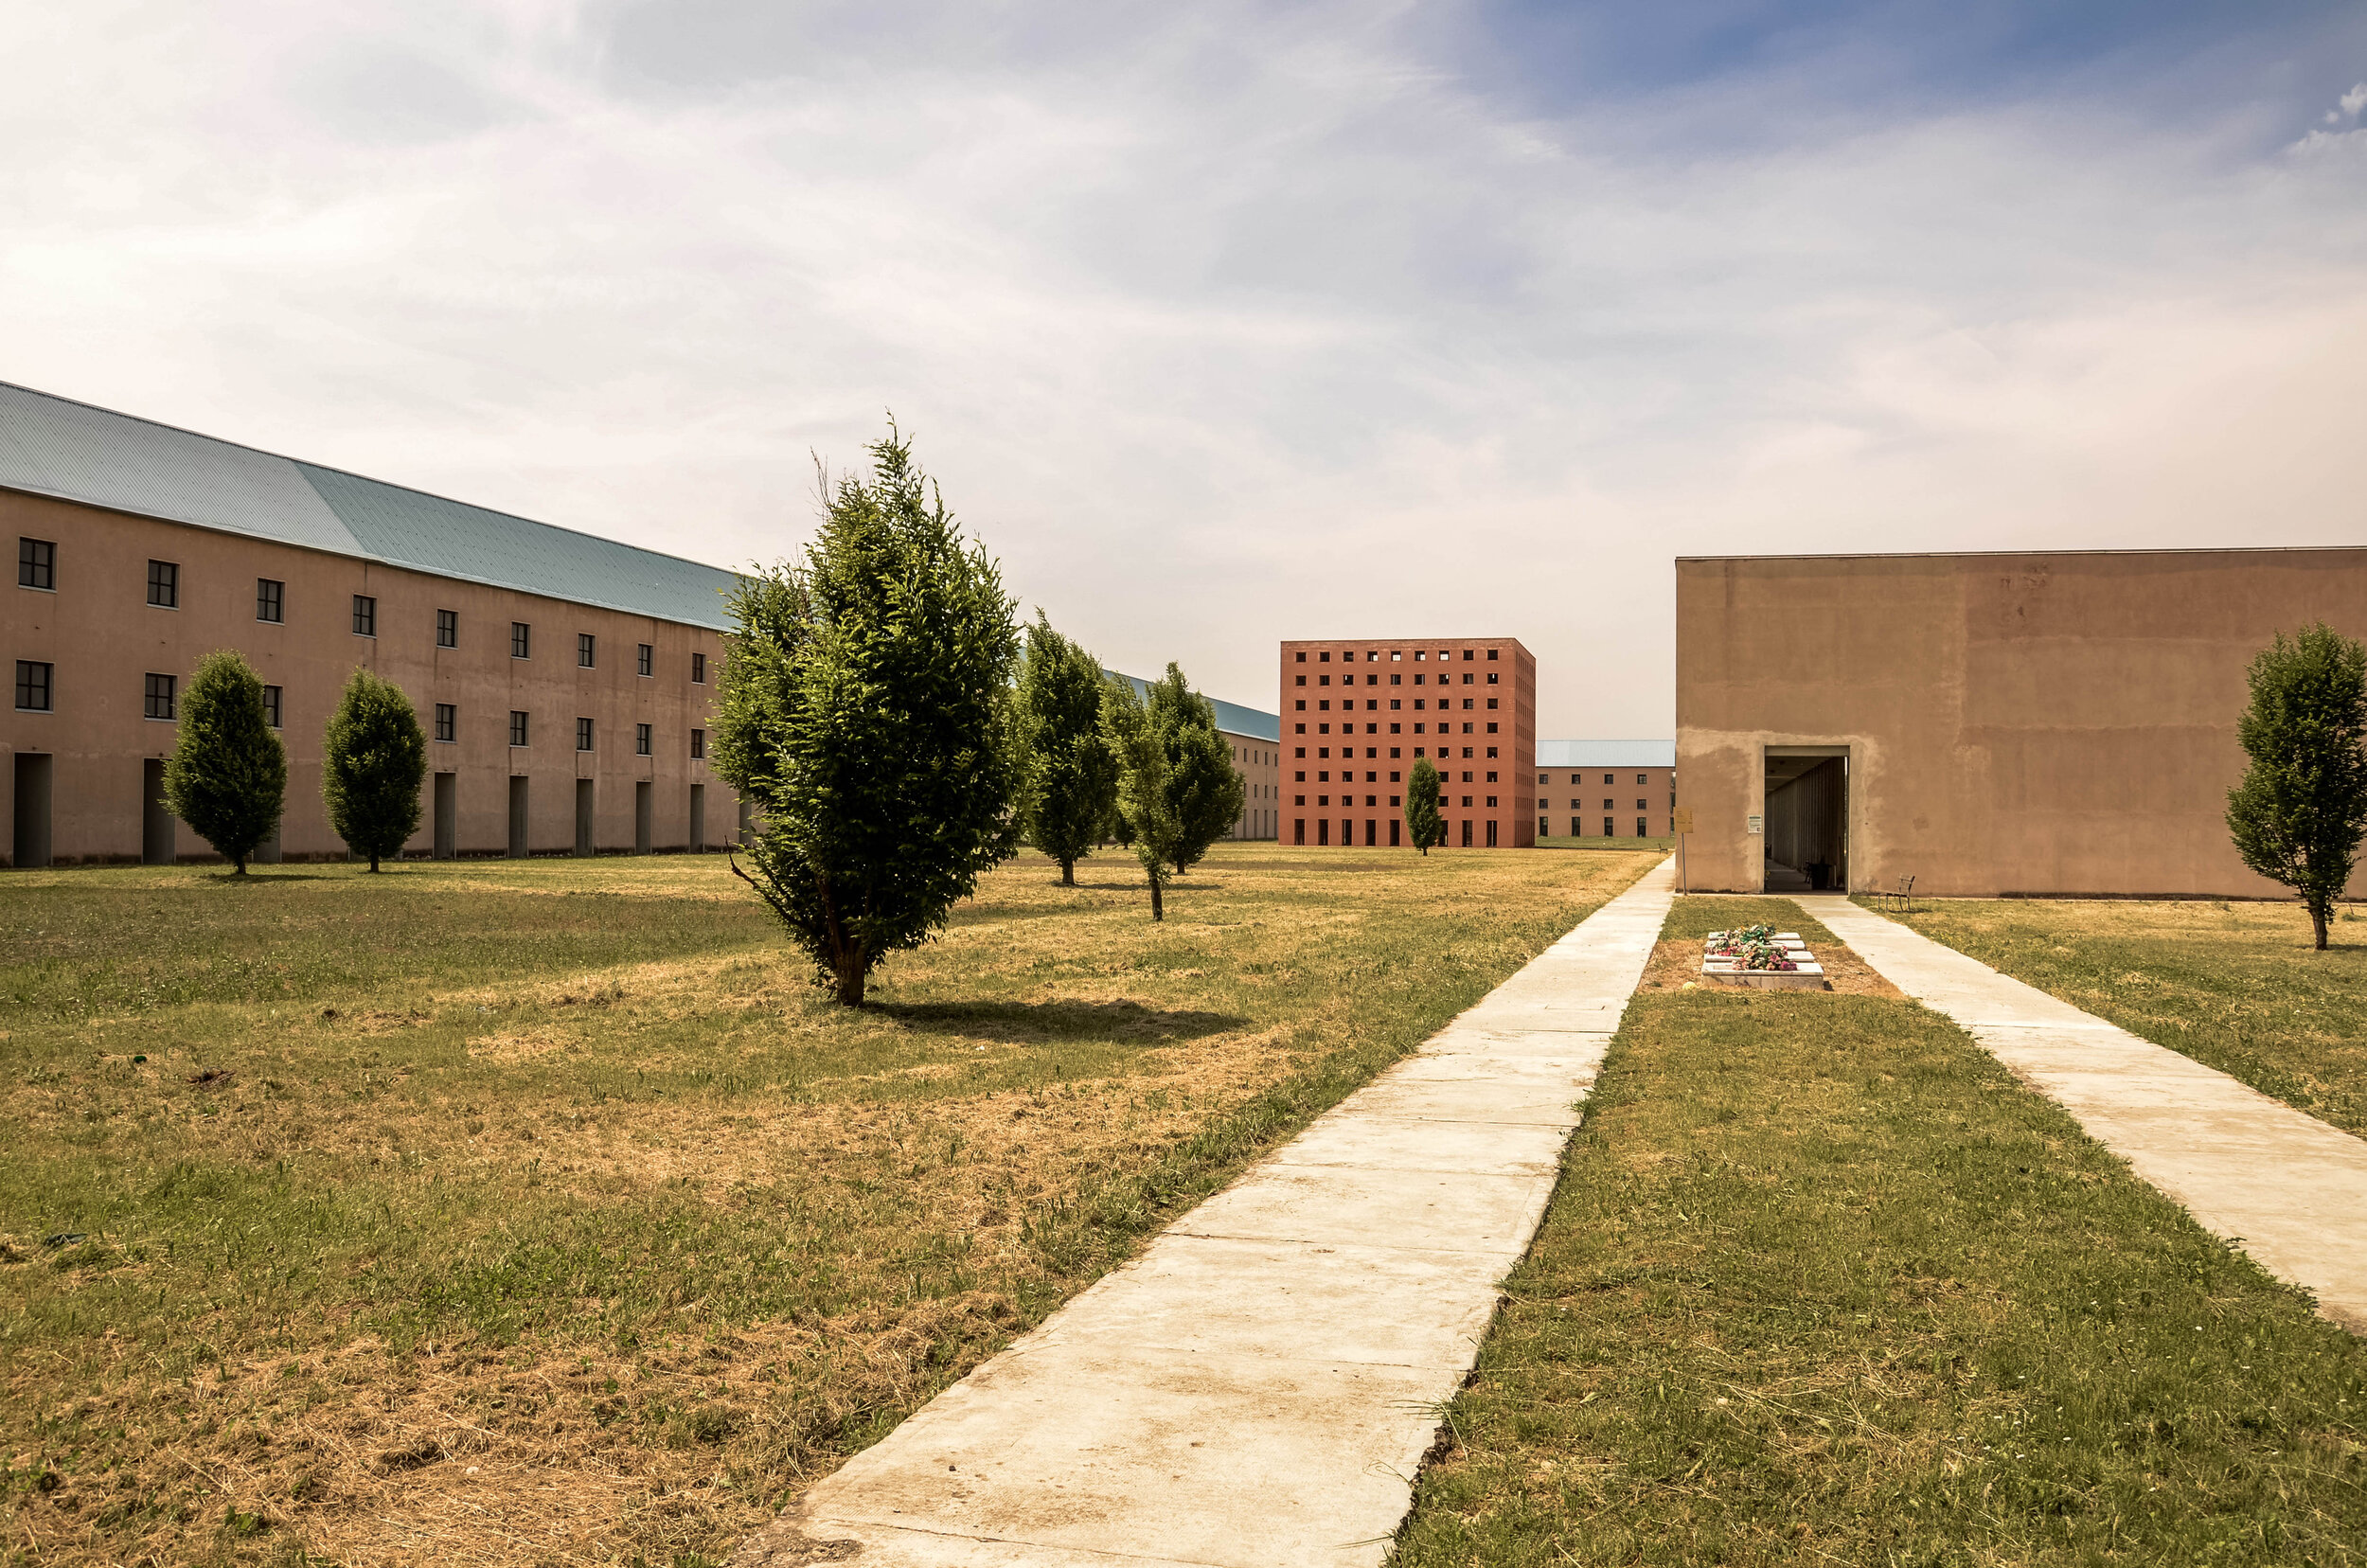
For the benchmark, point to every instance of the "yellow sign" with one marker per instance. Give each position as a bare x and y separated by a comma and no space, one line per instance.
1684,819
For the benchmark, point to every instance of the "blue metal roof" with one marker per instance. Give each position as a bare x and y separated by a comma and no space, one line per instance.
1231,718
1607,754
74,452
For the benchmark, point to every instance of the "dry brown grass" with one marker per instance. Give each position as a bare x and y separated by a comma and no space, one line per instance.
571,1248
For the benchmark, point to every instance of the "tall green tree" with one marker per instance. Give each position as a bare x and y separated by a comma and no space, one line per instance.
867,708
2299,814
1423,824
373,760
1205,789
1145,797
1074,790
227,776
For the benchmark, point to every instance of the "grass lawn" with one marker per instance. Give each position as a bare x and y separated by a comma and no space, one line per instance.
2236,985
541,1212
1823,1283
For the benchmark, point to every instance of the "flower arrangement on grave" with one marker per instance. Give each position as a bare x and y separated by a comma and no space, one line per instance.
1751,946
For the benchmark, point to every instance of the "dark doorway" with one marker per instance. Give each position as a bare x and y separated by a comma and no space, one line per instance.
1394,824
1807,838
520,819
583,816
1323,832
447,816
32,810
1466,832
641,817
155,820
1491,833
698,819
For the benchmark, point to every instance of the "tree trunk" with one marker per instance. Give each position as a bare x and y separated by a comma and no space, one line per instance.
1068,873
373,860
1157,910
2317,918
237,866
850,981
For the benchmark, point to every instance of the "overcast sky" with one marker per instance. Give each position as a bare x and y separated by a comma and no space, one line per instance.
1221,324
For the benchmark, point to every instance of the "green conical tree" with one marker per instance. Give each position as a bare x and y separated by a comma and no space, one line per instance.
227,776
1074,787
1205,789
867,708
1422,823
373,760
2299,814
1145,794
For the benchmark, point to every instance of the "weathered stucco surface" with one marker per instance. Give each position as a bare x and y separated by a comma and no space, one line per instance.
2015,723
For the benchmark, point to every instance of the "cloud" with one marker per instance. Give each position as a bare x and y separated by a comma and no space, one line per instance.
2355,100
1220,324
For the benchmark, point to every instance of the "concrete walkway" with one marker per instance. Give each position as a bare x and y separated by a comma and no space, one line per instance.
1260,1387
2287,1189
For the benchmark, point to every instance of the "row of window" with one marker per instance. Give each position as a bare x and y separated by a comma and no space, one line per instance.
37,567
1446,801
1395,680
1373,705
1347,775
1372,656
1372,832
1394,729
1580,779
1577,827
1347,752
36,693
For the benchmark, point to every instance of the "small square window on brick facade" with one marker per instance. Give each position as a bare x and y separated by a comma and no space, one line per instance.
271,600
37,564
365,615
163,584
640,740
33,685
448,628
270,706
584,735
160,694
516,728
646,661
521,640
447,721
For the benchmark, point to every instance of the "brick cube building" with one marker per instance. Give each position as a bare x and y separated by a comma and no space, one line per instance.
1357,713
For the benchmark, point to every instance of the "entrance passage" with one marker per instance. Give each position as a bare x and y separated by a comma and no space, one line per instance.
519,848
640,823
155,818
1807,819
31,799
698,819
583,816
447,816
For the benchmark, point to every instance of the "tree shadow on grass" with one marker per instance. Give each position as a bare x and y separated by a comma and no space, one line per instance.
1121,1023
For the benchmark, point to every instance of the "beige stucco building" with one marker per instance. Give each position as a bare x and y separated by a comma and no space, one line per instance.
1988,725
566,681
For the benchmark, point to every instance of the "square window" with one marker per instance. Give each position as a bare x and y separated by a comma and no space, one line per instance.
365,615
271,600
646,661
698,669
584,735
640,740
33,685
163,584
160,692
698,743
521,640
1491,654
447,721
270,706
516,728
448,628
1302,658
585,646
37,564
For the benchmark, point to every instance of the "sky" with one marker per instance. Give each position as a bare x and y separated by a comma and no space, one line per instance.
1222,324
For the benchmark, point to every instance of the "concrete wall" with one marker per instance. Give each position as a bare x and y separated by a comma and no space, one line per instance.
2041,723
1593,794
102,636
1258,761
1485,745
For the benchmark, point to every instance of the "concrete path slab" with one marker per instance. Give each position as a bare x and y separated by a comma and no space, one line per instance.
2286,1188
1258,1388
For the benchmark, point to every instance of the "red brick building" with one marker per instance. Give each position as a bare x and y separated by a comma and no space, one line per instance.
1356,713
